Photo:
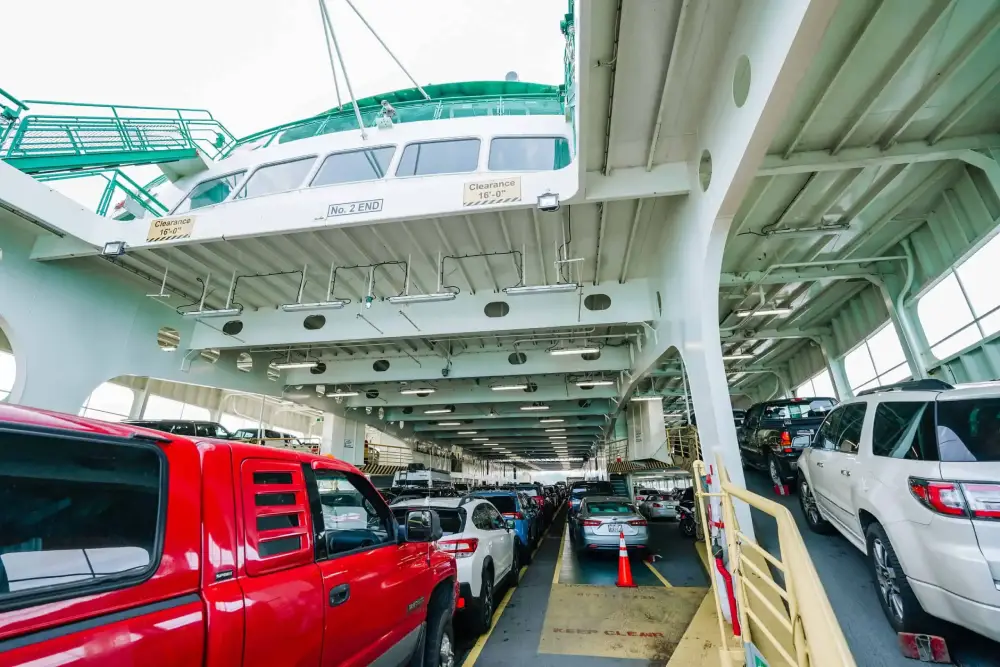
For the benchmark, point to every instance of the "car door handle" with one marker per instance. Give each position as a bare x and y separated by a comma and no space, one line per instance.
820,464
846,473
340,594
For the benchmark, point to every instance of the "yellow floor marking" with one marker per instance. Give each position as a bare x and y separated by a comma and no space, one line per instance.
663,580
470,659
520,575
562,543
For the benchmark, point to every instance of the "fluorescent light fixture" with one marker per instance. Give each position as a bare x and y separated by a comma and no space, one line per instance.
113,249
594,383
574,350
551,420
341,394
438,411
414,392
548,202
509,387
287,365
318,305
764,312
449,423
422,298
737,357
555,430
480,440
557,288
222,312
467,432
534,407
647,398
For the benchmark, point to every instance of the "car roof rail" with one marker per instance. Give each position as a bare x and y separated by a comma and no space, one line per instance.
928,384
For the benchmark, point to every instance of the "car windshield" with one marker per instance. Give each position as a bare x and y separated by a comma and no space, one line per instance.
969,430
505,504
609,507
813,407
452,520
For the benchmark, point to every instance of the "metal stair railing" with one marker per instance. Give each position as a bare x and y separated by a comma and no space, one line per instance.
116,180
782,608
114,136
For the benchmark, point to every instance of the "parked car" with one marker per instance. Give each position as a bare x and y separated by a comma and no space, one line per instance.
659,506
583,489
910,475
270,437
775,433
534,491
602,520
534,511
185,427
483,545
641,494
122,545
515,509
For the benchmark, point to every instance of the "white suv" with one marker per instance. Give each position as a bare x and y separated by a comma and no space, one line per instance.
484,546
910,474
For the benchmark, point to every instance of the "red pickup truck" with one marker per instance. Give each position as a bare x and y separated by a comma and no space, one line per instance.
126,546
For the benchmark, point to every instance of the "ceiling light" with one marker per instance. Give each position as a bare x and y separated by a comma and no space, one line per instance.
480,439
341,394
286,365
764,312
551,420
555,430
594,383
222,312
336,304
509,387
541,289
438,411
737,357
557,437
647,398
422,298
414,392
467,432
574,350
534,407
449,423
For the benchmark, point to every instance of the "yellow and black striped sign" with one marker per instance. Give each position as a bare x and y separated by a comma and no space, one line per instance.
382,469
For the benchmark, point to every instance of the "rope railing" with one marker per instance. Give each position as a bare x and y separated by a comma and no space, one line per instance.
782,610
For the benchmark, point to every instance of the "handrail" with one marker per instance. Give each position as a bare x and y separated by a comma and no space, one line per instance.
790,617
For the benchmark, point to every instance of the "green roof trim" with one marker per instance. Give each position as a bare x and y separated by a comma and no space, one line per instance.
453,91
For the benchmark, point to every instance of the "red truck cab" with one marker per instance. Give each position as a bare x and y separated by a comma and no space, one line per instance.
126,546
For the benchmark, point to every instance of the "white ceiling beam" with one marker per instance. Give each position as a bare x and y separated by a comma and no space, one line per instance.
664,180
748,333
428,367
487,426
960,111
851,271
472,393
475,415
858,158
669,80
464,316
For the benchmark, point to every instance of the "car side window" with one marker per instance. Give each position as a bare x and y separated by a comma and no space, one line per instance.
204,430
496,521
905,430
353,518
479,517
183,429
77,516
826,437
850,428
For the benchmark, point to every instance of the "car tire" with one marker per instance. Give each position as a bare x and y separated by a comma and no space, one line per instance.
900,605
810,510
482,616
439,640
515,566
774,471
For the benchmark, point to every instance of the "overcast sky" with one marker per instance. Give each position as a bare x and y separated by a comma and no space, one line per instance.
258,63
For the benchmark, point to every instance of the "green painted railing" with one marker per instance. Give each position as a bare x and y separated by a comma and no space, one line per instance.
114,136
116,181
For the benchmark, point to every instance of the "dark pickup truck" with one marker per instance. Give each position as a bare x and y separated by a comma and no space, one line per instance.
774,433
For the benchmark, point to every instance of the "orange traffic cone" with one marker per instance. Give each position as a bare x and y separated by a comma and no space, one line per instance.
624,568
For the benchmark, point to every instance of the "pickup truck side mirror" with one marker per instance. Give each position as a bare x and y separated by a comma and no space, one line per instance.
423,526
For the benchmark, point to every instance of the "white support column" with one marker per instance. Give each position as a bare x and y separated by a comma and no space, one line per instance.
904,327
835,367
139,399
344,438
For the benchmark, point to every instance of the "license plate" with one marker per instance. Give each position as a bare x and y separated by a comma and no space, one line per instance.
616,527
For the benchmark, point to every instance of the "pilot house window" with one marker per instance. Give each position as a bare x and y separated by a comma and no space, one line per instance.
274,178
367,164
453,156
206,193
528,153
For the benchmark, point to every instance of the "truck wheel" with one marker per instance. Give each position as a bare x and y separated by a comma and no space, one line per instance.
439,646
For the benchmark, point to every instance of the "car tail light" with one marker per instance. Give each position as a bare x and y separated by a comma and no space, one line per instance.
786,439
657,505
460,604
983,499
637,522
590,522
462,548
514,515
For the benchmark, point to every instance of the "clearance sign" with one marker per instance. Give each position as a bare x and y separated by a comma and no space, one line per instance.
170,229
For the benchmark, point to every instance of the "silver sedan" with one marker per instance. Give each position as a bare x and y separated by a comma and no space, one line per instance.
602,521
659,507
